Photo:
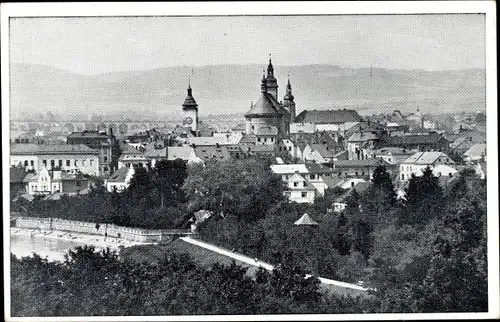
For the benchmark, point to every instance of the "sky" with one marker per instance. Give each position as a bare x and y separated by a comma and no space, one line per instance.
107,44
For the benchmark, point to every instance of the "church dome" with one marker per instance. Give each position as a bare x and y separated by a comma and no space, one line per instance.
263,107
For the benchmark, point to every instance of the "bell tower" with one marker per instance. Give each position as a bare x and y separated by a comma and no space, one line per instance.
271,82
190,110
288,102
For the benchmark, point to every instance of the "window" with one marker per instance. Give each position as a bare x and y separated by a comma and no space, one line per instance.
83,163
258,139
68,163
32,163
295,184
60,163
91,161
290,149
105,158
76,164
52,163
402,177
25,163
362,173
304,194
356,173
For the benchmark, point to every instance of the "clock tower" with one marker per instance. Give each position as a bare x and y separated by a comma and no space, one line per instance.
190,111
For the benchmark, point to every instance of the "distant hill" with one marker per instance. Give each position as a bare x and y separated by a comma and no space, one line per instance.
229,89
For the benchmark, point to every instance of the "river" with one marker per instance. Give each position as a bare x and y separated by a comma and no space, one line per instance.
51,248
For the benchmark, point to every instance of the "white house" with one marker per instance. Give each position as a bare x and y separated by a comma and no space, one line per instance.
416,164
304,178
120,179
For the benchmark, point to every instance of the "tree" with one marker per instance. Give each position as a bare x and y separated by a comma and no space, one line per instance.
425,199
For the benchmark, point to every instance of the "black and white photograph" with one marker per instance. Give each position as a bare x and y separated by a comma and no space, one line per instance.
250,161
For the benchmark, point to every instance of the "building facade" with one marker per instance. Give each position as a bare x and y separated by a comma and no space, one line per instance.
66,157
105,143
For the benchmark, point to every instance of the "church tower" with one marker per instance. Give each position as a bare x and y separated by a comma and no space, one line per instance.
190,111
271,82
288,102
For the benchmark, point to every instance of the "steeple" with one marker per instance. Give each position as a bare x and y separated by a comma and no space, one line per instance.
288,102
270,68
189,102
271,82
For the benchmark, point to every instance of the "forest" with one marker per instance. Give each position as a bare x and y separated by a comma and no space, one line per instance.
423,253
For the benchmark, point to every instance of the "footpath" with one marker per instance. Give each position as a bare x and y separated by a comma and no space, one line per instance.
267,266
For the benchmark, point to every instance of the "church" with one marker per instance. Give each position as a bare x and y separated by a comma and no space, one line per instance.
268,117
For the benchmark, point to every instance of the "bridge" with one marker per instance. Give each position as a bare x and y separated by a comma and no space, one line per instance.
119,128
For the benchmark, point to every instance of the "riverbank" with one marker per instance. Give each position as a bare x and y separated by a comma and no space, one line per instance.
68,240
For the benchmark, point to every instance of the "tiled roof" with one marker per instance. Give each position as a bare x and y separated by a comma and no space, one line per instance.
425,157
152,153
431,138
331,181
205,153
119,175
248,138
179,152
17,174
29,177
328,116
477,150
317,168
394,151
31,148
324,150
360,163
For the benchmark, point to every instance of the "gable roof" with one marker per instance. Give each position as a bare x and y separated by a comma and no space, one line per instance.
317,168
119,175
331,181
360,163
305,220
323,150
248,138
328,116
477,150
208,140
425,158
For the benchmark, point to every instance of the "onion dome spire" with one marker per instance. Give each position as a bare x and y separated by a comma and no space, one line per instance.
189,102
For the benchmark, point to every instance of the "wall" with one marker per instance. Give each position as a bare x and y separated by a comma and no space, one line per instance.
128,233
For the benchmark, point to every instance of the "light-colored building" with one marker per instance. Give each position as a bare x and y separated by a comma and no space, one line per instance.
120,179
416,164
393,155
54,181
305,179
66,157
476,153
185,153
